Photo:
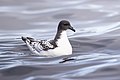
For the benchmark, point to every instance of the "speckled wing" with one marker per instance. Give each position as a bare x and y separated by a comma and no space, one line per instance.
42,45
36,46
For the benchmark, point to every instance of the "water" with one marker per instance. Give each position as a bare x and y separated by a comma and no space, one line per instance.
96,47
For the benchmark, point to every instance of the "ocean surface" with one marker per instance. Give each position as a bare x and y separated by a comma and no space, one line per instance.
96,42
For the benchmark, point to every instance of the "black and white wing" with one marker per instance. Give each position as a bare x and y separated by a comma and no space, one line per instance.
37,46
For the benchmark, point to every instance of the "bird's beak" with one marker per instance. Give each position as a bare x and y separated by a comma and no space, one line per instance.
71,28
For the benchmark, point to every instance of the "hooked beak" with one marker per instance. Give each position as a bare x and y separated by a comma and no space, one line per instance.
71,28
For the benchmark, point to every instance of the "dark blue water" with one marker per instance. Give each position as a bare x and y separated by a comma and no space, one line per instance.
96,42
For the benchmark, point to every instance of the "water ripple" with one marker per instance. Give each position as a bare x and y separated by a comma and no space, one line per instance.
95,42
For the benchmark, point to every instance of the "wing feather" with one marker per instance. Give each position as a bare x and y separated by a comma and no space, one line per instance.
38,45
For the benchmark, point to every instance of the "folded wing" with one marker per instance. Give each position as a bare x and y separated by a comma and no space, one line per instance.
37,46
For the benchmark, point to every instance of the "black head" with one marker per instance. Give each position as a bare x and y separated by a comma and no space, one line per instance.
64,25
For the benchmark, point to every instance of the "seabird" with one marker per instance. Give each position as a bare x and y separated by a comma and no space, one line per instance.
59,46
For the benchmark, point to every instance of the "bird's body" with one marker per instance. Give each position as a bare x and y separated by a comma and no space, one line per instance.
59,46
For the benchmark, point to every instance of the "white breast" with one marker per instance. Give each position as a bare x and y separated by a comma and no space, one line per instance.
63,41
64,46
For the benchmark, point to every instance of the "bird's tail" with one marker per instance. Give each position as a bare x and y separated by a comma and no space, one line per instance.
27,39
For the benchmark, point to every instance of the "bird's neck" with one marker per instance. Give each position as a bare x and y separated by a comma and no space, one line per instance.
61,38
60,34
